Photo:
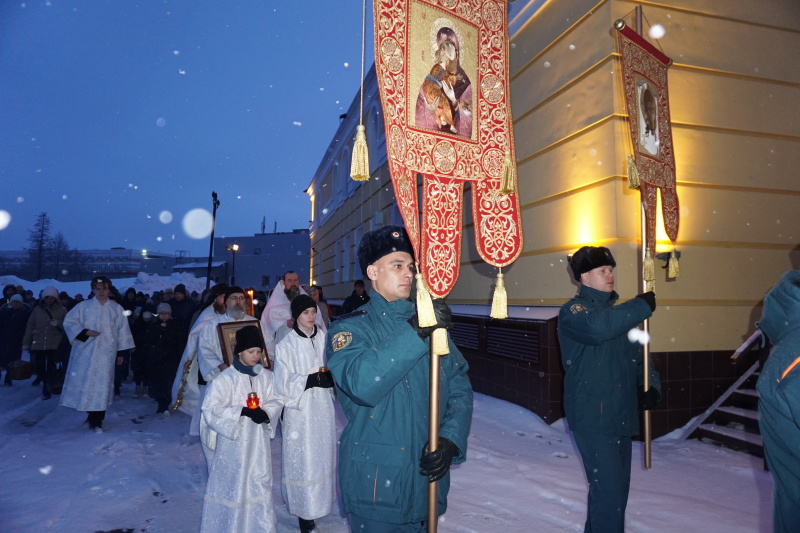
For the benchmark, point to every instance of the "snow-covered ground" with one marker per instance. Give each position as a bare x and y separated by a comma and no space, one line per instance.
145,474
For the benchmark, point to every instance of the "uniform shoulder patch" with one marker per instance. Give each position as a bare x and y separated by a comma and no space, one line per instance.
577,308
341,340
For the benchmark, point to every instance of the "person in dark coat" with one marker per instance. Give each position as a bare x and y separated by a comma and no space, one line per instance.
357,299
380,361
128,301
139,356
43,334
603,382
164,344
183,309
13,321
8,291
779,399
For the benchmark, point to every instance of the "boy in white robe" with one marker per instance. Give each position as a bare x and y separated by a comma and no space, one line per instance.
308,484
239,490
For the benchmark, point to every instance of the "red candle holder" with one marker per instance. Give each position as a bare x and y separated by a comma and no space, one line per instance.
252,401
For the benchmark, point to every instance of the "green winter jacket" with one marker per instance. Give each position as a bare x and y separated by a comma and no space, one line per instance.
382,371
779,402
603,368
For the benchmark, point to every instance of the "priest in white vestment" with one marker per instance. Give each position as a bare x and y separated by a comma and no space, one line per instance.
189,392
209,351
276,320
98,329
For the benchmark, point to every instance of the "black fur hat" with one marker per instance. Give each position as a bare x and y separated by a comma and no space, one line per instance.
380,242
590,257
216,290
233,289
248,337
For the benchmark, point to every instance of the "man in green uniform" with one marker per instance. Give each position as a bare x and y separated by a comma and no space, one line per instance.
603,382
380,360
779,402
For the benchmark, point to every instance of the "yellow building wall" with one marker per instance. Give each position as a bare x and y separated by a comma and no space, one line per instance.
735,104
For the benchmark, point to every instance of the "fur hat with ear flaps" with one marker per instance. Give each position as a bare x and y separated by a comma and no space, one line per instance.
248,337
590,257
380,242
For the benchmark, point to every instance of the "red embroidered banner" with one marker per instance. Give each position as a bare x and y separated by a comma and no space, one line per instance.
442,68
644,74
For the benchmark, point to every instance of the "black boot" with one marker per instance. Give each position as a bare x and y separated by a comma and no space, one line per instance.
306,526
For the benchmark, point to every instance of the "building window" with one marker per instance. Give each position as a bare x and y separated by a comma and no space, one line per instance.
356,241
265,281
336,262
346,259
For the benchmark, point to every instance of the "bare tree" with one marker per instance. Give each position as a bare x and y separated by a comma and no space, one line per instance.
79,264
59,252
38,243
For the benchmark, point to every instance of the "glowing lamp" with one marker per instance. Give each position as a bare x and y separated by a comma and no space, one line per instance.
252,401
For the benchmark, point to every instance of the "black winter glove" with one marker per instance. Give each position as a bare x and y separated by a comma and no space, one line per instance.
257,415
650,298
648,400
443,319
436,464
323,380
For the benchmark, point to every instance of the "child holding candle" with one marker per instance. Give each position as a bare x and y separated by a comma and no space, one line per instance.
305,386
236,422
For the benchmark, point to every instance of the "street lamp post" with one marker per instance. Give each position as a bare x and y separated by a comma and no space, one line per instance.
233,248
211,244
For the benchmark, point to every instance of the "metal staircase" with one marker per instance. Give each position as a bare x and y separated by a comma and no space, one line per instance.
732,420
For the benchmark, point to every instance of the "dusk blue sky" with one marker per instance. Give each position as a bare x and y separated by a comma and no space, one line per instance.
115,112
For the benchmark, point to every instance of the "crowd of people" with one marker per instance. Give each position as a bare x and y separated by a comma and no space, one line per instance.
240,368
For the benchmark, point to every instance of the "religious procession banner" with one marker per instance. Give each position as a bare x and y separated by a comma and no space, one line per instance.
652,166
442,69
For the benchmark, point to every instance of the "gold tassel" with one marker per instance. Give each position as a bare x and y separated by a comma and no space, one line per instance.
500,299
508,175
359,167
673,268
425,314
649,267
439,344
633,174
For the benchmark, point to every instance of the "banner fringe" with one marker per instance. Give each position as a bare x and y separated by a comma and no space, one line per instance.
425,314
508,175
359,167
649,267
439,344
673,268
633,174
499,299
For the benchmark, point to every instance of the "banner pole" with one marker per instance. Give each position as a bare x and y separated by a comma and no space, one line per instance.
637,15
433,438
645,355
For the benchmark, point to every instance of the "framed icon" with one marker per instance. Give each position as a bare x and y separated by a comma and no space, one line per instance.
227,340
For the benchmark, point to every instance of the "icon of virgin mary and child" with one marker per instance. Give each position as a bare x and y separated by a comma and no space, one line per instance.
445,97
